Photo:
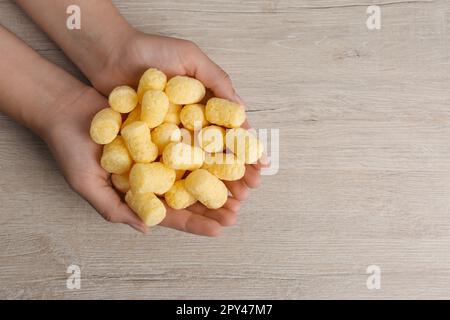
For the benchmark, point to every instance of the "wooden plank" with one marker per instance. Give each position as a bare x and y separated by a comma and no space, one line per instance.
364,176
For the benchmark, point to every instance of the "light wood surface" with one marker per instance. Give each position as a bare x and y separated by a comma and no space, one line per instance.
364,179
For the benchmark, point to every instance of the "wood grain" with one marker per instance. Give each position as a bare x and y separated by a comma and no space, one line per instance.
364,177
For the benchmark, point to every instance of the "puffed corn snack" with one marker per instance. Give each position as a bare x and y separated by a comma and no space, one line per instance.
164,141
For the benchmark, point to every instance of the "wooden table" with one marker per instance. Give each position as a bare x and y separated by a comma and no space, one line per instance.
364,174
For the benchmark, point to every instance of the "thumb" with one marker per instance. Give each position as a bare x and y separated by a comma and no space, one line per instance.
107,202
211,75
201,67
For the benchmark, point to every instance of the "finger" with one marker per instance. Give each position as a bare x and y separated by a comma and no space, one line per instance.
238,189
197,208
224,216
241,102
215,78
263,162
108,203
252,176
246,125
187,221
211,75
231,204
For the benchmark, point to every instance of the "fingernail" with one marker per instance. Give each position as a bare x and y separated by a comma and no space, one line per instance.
264,160
141,228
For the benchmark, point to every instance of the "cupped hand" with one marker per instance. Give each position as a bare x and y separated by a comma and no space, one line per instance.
67,136
138,51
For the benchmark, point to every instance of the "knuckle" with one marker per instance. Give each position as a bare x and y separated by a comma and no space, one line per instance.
190,46
224,74
110,217
225,78
229,220
111,214
75,183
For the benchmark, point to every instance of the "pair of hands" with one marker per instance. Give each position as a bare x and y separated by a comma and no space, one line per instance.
67,134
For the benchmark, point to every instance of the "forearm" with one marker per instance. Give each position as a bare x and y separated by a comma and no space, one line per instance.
91,47
31,88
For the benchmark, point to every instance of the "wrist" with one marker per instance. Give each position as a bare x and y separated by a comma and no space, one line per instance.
107,52
65,109
102,30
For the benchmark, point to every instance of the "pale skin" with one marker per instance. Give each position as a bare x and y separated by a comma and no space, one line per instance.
117,54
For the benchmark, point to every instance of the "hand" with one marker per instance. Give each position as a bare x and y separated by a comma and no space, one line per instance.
67,134
136,52
118,54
